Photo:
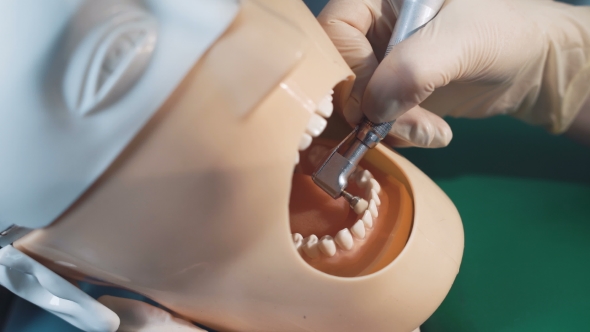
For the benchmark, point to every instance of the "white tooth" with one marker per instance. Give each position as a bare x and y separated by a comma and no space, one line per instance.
297,240
367,219
357,172
327,245
364,179
344,239
361,206
375,185
310,246
316,125
356,175
375,197
373,209
297,158
358,229
325,106
304,142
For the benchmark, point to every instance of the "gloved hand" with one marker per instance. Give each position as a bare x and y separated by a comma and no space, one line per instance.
476,58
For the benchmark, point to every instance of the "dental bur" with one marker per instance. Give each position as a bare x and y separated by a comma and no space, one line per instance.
333,174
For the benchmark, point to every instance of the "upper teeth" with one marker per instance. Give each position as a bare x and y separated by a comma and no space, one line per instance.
325,106
316,125
305,141
317,122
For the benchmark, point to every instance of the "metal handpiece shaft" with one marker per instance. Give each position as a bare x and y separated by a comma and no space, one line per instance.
412,16
332,175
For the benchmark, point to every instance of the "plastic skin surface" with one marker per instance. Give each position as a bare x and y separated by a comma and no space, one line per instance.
195,213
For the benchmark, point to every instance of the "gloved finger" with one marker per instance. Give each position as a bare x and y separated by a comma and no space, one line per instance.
420,128
429,59
347,23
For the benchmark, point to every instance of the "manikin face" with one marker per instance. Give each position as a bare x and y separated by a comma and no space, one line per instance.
211,210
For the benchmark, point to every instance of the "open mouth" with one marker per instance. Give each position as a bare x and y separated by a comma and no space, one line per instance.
330,235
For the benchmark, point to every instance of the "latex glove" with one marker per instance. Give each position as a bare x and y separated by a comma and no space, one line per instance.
137,316
476,58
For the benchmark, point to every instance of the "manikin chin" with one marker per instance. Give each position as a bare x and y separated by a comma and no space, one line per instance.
211,212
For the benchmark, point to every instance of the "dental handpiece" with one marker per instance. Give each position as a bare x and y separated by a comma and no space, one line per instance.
333,174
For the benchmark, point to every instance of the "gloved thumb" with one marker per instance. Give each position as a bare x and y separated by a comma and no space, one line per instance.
359,29
411,72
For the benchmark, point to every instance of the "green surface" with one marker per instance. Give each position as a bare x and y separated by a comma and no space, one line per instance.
524,197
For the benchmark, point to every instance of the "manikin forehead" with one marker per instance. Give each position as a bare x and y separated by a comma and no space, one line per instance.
80,79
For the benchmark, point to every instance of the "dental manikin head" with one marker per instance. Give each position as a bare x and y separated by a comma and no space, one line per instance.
166,147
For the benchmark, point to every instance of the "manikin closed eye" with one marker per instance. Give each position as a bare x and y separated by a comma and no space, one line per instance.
202,208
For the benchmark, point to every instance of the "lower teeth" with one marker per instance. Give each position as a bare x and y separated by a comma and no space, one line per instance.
344,240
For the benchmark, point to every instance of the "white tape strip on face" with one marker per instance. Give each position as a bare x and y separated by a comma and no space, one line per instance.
81,79
37,284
